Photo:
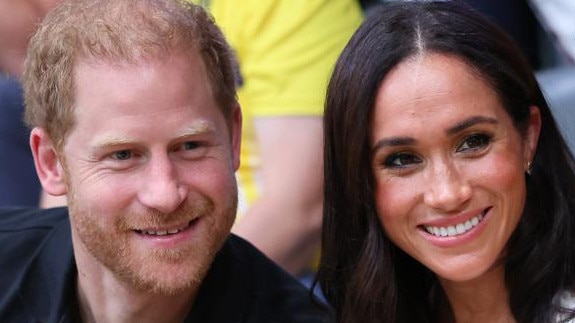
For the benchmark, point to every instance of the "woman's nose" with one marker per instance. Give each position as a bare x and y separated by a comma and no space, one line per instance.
447,187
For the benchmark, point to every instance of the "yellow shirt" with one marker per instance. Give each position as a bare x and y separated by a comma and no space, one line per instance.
286,51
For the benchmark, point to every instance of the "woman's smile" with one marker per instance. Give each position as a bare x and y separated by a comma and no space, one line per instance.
448,165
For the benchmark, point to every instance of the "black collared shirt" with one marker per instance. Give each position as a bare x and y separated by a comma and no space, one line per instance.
38,275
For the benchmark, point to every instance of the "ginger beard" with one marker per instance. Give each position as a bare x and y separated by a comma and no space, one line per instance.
160,271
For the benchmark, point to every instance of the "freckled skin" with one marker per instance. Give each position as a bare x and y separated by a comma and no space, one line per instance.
150,150
480,167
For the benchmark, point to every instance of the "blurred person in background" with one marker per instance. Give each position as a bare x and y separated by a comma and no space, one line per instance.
557,76
19,184
286,51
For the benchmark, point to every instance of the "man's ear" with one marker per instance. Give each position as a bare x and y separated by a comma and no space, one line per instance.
532,135
48,166
236,135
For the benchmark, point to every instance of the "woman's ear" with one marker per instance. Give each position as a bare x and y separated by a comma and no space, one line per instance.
532,134
48,165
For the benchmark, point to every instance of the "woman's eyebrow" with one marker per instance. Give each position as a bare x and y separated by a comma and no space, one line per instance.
469,123
393,141
406,141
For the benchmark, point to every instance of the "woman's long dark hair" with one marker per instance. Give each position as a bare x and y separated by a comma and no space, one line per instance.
363,275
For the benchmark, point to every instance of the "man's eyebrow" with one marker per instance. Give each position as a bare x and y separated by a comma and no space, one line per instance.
469,123
197,128
112,140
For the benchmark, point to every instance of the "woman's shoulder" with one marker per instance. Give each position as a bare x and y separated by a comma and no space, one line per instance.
565,300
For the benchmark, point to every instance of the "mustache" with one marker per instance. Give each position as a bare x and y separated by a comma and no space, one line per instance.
156,219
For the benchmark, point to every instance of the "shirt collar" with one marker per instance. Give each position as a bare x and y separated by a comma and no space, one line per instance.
49,280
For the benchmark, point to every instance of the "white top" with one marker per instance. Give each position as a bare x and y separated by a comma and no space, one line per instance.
565,299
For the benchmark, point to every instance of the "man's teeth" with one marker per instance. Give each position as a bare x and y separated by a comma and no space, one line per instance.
163,232
454,230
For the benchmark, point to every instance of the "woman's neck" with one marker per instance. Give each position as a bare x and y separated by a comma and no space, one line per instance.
484,299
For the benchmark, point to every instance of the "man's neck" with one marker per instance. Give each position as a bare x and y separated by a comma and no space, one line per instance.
106,299
102,297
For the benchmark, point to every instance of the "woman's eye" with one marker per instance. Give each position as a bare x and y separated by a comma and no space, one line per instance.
400,160
474,143
122,155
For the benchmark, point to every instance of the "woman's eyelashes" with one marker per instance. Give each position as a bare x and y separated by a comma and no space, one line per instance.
401,160
470,145
474,143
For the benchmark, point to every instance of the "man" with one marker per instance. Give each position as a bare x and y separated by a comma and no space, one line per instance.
135,119
286,51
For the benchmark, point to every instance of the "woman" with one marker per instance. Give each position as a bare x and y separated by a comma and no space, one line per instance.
449,191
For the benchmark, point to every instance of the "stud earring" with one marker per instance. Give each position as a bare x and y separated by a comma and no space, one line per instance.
528,168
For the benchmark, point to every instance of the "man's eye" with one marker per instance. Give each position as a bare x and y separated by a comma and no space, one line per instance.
189,145
400,160
122,155
474,142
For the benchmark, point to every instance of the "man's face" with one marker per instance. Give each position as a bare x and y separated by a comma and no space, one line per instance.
150,171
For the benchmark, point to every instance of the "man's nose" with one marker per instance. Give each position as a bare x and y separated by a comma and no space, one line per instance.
447,187
162,188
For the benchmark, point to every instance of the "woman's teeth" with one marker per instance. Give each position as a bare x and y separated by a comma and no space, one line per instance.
455,230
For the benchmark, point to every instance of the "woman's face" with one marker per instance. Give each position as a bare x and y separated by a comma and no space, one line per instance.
449,166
